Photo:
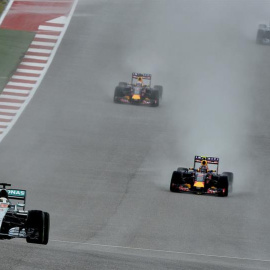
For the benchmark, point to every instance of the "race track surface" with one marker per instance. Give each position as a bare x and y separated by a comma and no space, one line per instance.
102,170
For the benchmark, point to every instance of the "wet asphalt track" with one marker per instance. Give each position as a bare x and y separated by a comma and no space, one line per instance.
102,170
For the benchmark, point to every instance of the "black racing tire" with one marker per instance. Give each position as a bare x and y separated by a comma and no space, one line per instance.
223,183
260,36
230,180
47,228
122,84
172,189
182,169
118,93
154,98
159,88
38,221
176,179
156,104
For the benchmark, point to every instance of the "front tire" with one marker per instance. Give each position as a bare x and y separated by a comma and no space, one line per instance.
223,184
154,98
47,228
37,227
172,189
118,93
230,180
175,180
159,88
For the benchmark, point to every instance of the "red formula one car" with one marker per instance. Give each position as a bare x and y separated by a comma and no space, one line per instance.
202,180
139,91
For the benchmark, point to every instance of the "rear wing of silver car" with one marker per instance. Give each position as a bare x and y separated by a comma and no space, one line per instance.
17,194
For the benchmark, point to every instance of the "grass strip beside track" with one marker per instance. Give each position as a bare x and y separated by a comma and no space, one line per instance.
3,3
13,45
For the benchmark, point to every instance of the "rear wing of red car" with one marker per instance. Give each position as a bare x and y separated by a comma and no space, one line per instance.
210,160
144,76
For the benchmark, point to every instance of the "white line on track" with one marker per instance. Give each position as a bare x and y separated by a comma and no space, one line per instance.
10,104
33,64
58,20
50,28
20,84
8,111
46,36
13,97
39,50
24,78
16,91
36,57
25,70
43,43
165,251
6,116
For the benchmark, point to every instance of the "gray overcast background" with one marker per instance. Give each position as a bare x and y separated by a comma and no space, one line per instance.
102,170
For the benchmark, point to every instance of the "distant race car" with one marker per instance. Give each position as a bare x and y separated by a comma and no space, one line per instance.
263,34
16,222
139,91
202,180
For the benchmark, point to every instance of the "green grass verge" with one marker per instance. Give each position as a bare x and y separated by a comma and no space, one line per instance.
13,45
2,5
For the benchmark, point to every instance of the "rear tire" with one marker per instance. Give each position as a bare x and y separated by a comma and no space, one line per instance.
159,88
122,84
260,36
262,26
182,169
37,227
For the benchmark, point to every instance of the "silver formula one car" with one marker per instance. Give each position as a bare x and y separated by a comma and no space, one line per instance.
16,222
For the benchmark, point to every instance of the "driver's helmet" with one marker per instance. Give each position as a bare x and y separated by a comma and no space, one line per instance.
204,167
140,81
3,200
3,193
